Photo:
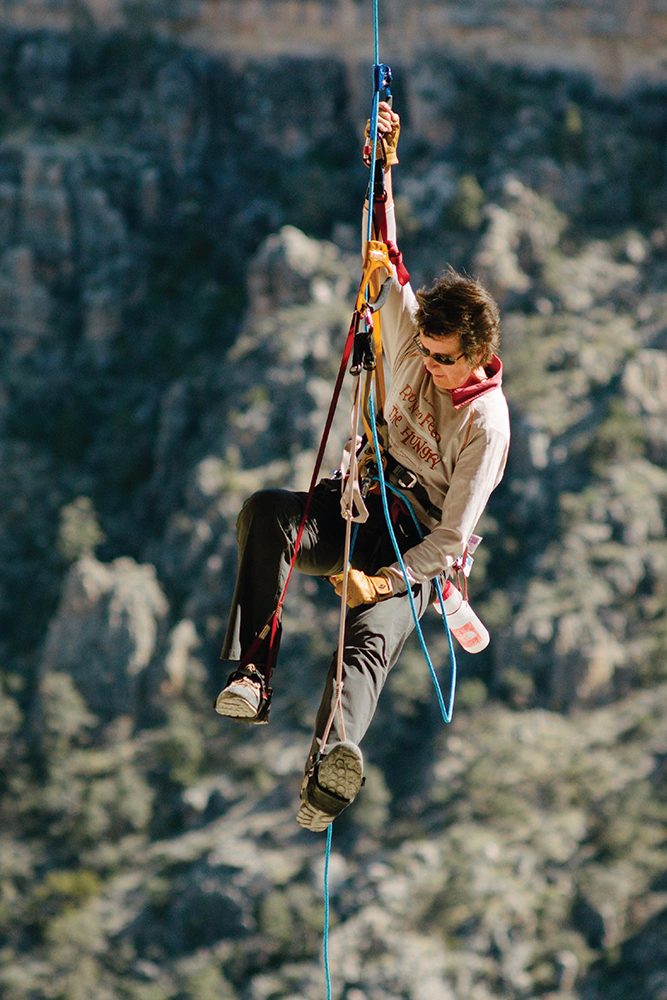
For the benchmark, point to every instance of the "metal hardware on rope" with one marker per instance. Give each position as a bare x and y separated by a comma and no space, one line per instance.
382,78
364,356
376,258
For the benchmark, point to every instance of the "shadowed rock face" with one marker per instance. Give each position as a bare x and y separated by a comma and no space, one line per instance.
640,971
173,312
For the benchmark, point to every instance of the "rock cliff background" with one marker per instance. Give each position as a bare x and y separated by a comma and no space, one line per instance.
178,237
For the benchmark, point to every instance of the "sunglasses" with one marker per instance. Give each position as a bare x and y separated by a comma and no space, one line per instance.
441,359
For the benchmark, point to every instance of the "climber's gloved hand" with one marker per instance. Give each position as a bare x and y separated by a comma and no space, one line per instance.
389,129
362,589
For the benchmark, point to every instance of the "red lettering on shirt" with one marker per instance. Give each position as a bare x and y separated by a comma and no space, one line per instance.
425,420
421,447
407,393
395,417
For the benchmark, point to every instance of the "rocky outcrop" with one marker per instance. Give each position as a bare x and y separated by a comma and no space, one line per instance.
534,845
587,622
519,238
645,392
278,393
105,634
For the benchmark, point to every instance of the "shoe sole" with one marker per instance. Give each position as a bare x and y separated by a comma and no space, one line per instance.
340,772
234,706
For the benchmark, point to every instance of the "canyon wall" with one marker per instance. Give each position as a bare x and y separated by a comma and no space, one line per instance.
618,43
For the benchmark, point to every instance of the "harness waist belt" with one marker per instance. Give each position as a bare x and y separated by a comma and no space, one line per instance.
405,479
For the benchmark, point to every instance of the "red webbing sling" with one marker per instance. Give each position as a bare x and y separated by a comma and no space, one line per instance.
272,624
375,259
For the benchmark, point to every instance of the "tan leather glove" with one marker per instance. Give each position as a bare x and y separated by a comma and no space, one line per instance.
362,589
387,145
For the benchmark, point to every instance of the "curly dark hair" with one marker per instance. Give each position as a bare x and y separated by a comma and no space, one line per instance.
456,303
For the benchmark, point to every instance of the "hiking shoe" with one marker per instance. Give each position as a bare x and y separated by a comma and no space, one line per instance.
330,786
243,696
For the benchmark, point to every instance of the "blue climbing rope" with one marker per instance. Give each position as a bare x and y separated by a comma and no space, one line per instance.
377,87
369,236
445,710
325,942
374,135
381,76
446,713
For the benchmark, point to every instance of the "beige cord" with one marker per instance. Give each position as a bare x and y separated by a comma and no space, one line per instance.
347,511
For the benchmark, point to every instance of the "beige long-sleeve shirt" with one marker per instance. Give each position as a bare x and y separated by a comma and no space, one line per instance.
456,442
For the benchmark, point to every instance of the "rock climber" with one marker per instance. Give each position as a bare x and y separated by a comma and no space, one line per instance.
448,432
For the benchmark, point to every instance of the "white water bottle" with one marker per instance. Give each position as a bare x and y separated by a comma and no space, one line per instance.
463,623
